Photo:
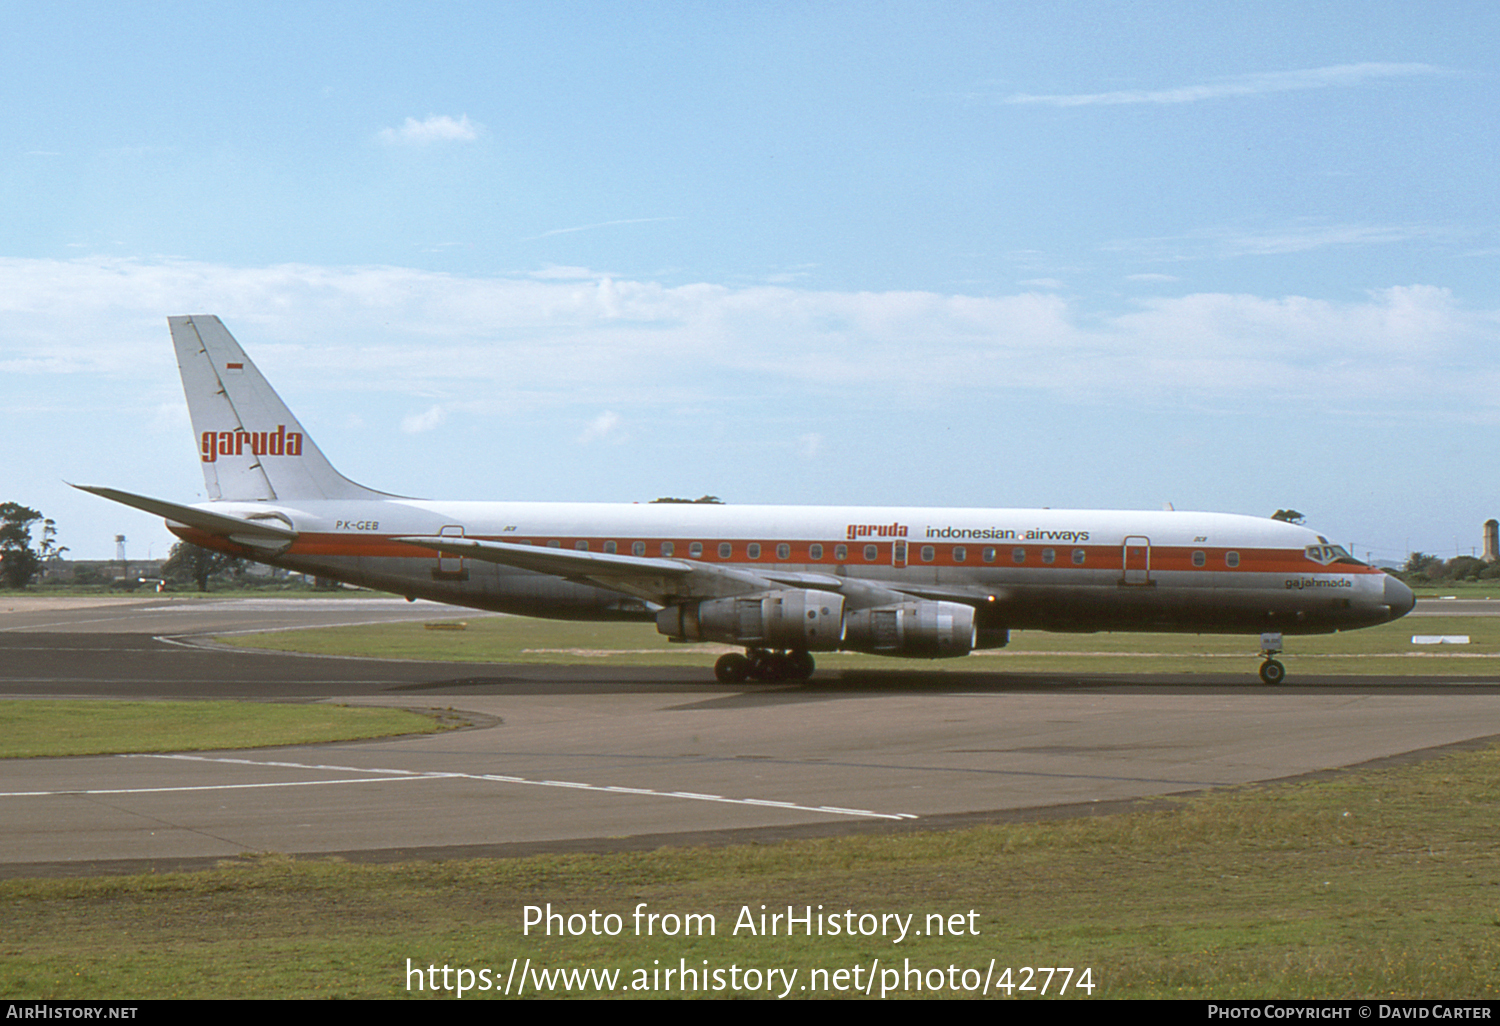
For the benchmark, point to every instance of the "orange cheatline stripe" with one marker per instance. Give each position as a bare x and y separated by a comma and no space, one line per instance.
1163,559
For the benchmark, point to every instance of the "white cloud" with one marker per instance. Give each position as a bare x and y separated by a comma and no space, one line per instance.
791,275
495,346
600,427
1238,85
433,128
557,272
1298,237
426,421
599,224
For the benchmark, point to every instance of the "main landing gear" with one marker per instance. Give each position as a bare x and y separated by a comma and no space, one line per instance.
1271,671
764,665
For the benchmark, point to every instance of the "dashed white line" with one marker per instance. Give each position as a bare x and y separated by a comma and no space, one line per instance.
400,775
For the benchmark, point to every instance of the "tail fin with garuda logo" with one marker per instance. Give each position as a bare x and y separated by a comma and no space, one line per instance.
251,446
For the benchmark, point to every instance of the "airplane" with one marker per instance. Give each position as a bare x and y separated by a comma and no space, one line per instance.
781,582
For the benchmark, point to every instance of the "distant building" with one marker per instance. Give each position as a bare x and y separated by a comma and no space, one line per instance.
1491,540
101,571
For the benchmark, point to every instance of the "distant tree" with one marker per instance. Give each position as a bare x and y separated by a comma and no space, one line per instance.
1422,565
50,551
711,500
1464,568
1291,516
19,563
192,564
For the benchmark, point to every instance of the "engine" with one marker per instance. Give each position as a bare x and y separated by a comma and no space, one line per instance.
812,621
926,630
815,621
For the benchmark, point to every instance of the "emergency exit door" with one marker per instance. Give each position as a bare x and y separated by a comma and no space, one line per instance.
1136,559
450,567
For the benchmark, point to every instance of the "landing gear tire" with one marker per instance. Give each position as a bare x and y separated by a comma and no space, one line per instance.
768,667
800,664
731,668
764,666
1272,672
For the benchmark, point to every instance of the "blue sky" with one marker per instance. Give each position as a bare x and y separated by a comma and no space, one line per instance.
1233,256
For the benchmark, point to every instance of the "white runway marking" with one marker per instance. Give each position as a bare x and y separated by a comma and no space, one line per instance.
395,775
206,787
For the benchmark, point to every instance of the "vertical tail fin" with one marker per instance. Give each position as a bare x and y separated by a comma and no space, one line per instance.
251,446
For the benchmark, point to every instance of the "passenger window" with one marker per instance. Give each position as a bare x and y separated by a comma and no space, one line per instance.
725,550
783,551
841,552
871,553
667,548
928,552
695,550
581,546
1231,559
554,544
610,547
1199,557
638,548
959,554
1018,555
1049,555
753,550
815,552
1079,555
989,555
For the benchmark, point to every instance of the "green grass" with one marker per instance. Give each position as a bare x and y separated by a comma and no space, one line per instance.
42,728
1461,589
1376,883
1386,649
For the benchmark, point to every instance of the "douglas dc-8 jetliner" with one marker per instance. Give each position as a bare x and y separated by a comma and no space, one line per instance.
780,581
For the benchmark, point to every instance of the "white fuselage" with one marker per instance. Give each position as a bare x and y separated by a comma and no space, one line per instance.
1078,570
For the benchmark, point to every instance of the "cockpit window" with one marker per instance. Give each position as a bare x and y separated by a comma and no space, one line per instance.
1327,555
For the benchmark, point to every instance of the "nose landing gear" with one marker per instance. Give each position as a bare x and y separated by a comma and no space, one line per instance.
1271,671
764,665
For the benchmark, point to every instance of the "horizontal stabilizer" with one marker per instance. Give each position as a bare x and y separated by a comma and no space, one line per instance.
263,534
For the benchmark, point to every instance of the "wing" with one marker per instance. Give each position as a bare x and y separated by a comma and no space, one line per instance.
666,581
663,581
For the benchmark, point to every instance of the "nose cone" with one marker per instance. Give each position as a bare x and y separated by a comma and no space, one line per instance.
1398,597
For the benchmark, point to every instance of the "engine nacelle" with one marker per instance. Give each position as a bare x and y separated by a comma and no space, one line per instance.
925,630
812,621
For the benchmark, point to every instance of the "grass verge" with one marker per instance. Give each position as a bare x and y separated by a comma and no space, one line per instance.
1374,883
42,728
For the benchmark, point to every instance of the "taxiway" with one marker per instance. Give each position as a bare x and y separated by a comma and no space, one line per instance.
598,758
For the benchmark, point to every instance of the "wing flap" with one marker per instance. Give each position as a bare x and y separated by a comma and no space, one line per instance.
972,595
